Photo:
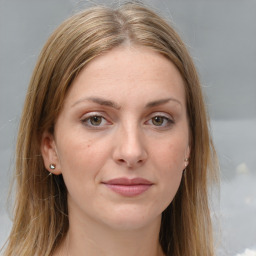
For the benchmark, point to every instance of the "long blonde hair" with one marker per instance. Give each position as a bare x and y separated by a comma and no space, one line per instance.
40,214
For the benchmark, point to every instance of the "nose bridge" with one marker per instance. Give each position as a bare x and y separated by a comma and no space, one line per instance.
131,149
132,140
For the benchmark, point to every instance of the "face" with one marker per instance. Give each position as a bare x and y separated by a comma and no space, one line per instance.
121,139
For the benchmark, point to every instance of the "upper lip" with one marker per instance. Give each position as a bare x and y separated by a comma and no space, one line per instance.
128,181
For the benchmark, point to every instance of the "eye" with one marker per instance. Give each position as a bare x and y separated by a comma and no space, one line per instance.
160,121
94,121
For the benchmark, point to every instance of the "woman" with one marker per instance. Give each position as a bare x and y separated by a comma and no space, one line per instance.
114,155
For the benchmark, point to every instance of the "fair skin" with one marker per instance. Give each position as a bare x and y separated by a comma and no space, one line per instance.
124,117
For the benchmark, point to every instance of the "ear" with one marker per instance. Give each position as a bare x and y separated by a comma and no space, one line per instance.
188,152
187,155
49,153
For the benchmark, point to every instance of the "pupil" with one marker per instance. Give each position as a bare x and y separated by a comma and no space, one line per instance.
96,120
158,120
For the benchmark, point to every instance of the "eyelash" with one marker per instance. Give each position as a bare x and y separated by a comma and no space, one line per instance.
167,122
87,121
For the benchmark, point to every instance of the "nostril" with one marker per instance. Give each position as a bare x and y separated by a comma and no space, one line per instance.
130,163
123,162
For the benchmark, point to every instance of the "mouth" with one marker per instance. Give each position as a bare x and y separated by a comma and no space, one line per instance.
128,187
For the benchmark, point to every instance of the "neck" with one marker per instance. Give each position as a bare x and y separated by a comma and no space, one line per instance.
95,239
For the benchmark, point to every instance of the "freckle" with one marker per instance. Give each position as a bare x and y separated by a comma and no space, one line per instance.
89,143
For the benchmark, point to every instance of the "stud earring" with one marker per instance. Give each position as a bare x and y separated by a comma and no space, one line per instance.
52,166
186,164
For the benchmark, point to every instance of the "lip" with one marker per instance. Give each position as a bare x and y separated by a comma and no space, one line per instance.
128,187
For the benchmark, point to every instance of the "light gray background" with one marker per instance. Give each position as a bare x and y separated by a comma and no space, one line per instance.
221,36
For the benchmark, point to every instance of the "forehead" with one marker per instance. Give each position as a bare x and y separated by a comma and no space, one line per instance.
129,71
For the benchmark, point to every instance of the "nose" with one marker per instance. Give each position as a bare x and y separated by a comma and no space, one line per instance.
130,150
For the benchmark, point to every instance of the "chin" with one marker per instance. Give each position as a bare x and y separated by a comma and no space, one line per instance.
132,220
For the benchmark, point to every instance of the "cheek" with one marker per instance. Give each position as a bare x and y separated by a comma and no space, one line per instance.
169,165
81,165
81,158
170,156
169,169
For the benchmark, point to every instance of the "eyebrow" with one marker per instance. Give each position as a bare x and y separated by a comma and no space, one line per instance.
161,102
99,101
112,104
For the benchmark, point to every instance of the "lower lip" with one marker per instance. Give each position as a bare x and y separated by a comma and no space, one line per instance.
129,190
